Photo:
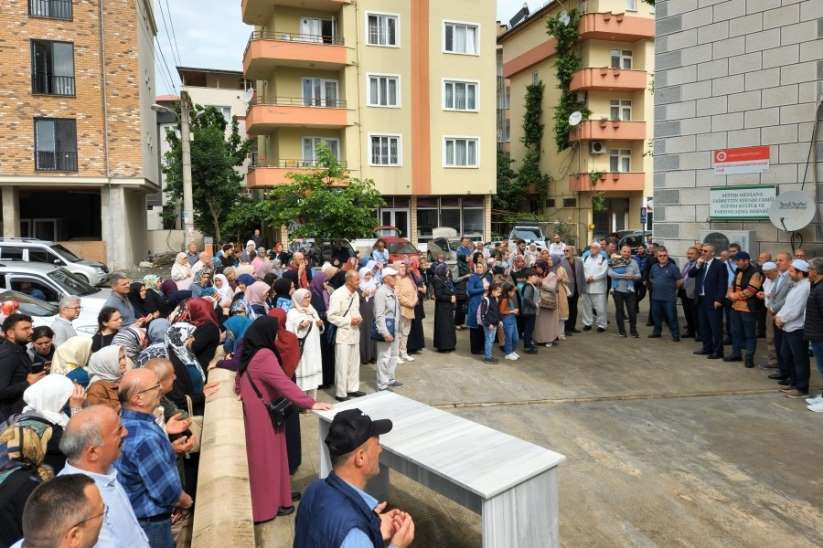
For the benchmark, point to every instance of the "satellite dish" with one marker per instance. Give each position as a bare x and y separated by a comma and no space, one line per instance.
248,94
792,210
575,118
564,18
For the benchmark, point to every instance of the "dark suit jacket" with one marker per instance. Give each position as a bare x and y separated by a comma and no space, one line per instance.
714,279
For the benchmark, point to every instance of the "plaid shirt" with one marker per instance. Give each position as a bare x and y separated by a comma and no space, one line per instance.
147,467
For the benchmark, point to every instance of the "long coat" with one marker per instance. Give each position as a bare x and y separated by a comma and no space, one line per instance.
445,338
310,369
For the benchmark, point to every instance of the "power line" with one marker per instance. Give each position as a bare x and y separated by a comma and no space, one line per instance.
169,78
174,34
174,55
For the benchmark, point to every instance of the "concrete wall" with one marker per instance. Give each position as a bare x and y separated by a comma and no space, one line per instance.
145,71
734,74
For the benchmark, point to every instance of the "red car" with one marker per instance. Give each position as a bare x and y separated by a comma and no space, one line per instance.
400,249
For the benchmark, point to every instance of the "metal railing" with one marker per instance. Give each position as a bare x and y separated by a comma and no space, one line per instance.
299,102
288,163
49,84
49,160
322,39
53,9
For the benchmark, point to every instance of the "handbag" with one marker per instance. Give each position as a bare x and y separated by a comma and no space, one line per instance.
331,329
301,341
279,410
375,334
196,426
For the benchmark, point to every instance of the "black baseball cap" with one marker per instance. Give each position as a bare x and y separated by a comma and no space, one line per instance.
351,428
742,255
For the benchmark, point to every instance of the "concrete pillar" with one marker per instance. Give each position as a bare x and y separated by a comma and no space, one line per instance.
11,212
113,220
487,218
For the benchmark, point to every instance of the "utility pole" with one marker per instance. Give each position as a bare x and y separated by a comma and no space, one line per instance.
188,202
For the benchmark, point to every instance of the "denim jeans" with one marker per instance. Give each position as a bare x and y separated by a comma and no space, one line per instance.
817,348
510,330
489,335
528,331
665,310
158,532
744,334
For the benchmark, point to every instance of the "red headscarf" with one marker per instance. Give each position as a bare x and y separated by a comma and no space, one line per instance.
287,344
201,311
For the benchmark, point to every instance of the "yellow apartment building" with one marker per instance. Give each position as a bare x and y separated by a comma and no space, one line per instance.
615,82
402,91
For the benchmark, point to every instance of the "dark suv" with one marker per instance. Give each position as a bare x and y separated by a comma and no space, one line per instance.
335,252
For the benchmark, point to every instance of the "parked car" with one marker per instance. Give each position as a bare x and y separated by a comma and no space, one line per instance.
44,313
528,232
319,252
400,249
632,238
42,251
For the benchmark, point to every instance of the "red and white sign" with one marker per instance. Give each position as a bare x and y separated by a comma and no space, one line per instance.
731,161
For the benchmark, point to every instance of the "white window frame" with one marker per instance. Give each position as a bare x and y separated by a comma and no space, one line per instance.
622,54
322,140
371,75
324,100
622,105
620,154
396,28
399,138
475,83
631,5
467,138
447,22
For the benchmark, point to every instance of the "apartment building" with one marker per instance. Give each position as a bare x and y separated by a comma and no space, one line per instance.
503,98
615,82
79,146
403,92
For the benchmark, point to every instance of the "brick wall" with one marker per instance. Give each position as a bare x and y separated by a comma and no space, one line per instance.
734,73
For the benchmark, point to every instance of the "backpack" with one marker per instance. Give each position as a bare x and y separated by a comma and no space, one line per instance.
480,313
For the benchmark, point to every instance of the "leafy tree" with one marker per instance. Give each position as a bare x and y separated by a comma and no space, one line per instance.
529,176
510,191
326,203
216,183
247,213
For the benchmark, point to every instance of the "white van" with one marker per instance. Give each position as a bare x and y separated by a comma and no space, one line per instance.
41,251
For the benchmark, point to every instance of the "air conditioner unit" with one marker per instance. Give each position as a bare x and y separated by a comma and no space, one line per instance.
598,147
721,239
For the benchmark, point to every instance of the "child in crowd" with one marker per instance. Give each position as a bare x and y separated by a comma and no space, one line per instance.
529,304
489,313
509,313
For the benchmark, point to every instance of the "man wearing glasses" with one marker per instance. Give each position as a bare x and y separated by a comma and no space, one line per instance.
147,468
62,326
710,290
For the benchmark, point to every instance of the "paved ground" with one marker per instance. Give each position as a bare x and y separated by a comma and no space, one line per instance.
664,448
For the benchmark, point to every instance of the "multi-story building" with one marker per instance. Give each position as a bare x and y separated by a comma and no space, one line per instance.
79,143
403,92
503,98
615,82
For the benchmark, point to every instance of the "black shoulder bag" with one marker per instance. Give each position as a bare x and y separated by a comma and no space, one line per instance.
279,409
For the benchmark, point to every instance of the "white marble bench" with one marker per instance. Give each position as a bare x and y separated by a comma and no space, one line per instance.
511,483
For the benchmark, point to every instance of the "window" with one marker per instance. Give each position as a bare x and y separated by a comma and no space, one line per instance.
382,30
226,112
460,152
460,38
620,161
620,109
384,150
35,288
54,9
569,202
318,92
550,202
12,253
310,145
460,95
52,67
535,78
621,59
631,5
384,90
315,29
465,215
55,144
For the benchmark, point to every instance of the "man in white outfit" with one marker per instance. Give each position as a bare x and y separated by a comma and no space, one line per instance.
595,270
386,319
344,312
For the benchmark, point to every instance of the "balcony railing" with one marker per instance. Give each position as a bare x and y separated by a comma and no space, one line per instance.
302,38
48,160
299,102
49,84
53,9
288,163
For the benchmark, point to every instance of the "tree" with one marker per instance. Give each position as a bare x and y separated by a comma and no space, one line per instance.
510,190
247,213
327,203
216,183
529,176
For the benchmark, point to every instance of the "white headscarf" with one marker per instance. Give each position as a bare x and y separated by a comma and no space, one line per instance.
367,284
250,245
104,364
47,398
297,302
225,292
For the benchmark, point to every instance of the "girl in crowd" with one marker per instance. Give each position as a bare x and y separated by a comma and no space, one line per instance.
109,322
509,312
488,317
106,366
303,321
282,294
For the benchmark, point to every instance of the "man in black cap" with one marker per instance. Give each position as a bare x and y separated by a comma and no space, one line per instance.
336,511
748,280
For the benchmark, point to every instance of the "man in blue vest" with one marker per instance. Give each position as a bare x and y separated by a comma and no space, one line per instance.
336,511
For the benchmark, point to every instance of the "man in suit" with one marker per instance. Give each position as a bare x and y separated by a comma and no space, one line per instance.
710,290
577,285
777,298
686,293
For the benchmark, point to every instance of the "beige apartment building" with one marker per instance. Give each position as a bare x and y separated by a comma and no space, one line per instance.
402,91
78,146
616,83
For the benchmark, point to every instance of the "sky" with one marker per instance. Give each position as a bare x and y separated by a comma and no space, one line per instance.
210,34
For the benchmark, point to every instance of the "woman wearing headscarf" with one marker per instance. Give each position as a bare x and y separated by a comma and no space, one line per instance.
144,300
547,327
106,366
368,287
475,289
320,301
133,340
416,341
282,293
224,291
245,256
71,357
266,446
303,321
181,273
255,296
445,337
207,333
235,326
562,291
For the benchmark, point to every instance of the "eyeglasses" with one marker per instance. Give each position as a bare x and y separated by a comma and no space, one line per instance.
104,513
149,389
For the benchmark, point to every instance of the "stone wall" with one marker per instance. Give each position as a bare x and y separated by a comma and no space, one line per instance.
731,74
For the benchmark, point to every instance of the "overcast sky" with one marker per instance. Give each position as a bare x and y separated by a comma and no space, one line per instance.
210,34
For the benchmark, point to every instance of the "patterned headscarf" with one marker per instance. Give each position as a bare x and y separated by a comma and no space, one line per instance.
176,338
152,281
132,339
70,355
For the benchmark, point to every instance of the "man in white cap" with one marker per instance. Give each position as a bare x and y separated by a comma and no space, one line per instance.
770,274
595,269
386,319
791,319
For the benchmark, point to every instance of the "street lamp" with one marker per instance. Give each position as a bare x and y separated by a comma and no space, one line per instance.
188,203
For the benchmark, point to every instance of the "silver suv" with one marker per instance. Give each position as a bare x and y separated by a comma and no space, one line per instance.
41,251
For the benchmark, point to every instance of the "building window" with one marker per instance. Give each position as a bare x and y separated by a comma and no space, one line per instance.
310,145
621,59
620,161
52,67
550,202
465,215
53,9
55,144
382,30
535,78
318,92
384,91
384,150
461,151
460,38
631,5
620,109
569,202
460,95
226,112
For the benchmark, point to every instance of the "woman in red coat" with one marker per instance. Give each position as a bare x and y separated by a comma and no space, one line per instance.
265,445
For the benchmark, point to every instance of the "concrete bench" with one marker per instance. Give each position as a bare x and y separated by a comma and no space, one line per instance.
511,483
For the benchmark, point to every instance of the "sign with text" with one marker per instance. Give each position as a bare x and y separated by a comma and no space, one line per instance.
733,161
740,202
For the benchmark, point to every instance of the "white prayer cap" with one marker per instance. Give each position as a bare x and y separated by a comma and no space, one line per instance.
768,266
801,265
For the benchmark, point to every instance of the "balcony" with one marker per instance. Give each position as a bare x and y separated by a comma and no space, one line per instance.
267,50
265,115
609,182
276,173
616,26
259,12
609,130
608,79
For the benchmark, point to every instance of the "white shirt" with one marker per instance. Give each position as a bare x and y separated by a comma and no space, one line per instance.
557,248
596,267
793,312
767,288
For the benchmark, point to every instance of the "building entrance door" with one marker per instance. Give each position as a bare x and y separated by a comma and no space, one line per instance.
398,218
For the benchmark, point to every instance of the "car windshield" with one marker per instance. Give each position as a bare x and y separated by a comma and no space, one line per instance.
402,247
29,305
71,283
525,233
65,253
